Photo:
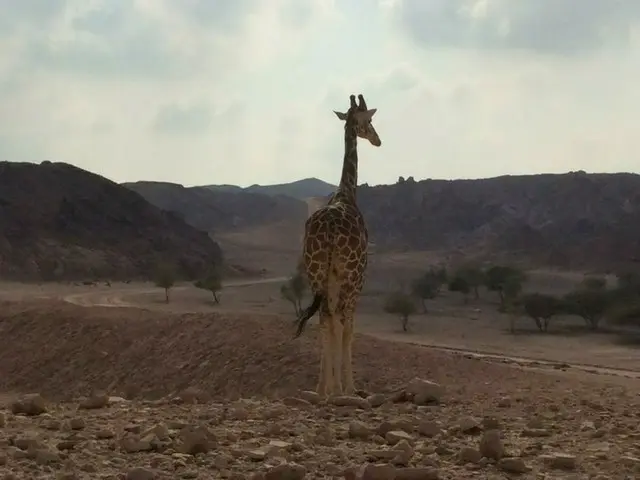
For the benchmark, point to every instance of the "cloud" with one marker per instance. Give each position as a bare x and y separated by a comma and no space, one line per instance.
176,119
242,91
563,27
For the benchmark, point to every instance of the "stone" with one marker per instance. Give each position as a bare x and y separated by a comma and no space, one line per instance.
429,428
424,392
141,474
77,423
94,402
491,445
469,424
359,430
286,471
31,405
513,465
394,436
560,461
196,440
349,401
378,472
469,455
417,473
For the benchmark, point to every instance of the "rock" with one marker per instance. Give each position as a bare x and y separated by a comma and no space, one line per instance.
76,423
133,444
504,402
31,405
630,461
295,402
359,430
94,402
196,440
257,454
376,399
513,465
160,430
46,457
286,471
394,436
192,395
386,427
349,401
417,473
67,476
490,423
424,391
141,474
469,424
378,472
311,397
429,428
469,455
535,432
104,434
491,445
3,420
560,461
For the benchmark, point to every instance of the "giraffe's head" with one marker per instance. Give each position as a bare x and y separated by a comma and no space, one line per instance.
361,117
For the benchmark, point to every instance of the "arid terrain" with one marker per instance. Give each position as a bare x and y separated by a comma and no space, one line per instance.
107,380
137,388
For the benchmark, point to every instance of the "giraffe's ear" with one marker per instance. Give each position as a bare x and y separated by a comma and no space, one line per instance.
370,113
341,116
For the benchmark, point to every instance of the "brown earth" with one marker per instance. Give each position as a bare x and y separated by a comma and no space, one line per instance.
553,424
61,222
545,421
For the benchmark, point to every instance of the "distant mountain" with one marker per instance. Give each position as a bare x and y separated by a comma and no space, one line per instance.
221,209
300,189
572,220
58,221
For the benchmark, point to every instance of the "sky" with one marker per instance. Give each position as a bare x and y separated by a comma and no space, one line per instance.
242,91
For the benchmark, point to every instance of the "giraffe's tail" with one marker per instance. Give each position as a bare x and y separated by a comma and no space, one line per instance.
307,313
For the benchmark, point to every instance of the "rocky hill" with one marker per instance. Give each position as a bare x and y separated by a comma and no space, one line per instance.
569,220
300,189
216,210
58,221
573,220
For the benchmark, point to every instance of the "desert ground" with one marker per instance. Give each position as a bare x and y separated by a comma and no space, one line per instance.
114,383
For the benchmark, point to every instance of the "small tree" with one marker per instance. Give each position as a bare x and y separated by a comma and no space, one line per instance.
399,303
427,286
541,308
591,305
460,284
165,278
507,281
212,283
473,276
294,290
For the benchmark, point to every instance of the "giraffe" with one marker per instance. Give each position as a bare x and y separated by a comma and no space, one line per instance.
335,259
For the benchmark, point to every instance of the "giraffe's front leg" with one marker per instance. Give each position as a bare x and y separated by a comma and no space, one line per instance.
347,369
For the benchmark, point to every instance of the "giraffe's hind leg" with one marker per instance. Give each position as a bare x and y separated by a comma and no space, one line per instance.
337,354
325,380
346,340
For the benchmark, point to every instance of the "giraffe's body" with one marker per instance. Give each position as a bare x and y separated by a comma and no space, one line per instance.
335,260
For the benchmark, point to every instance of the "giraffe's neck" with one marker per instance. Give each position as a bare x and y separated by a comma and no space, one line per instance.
349,180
